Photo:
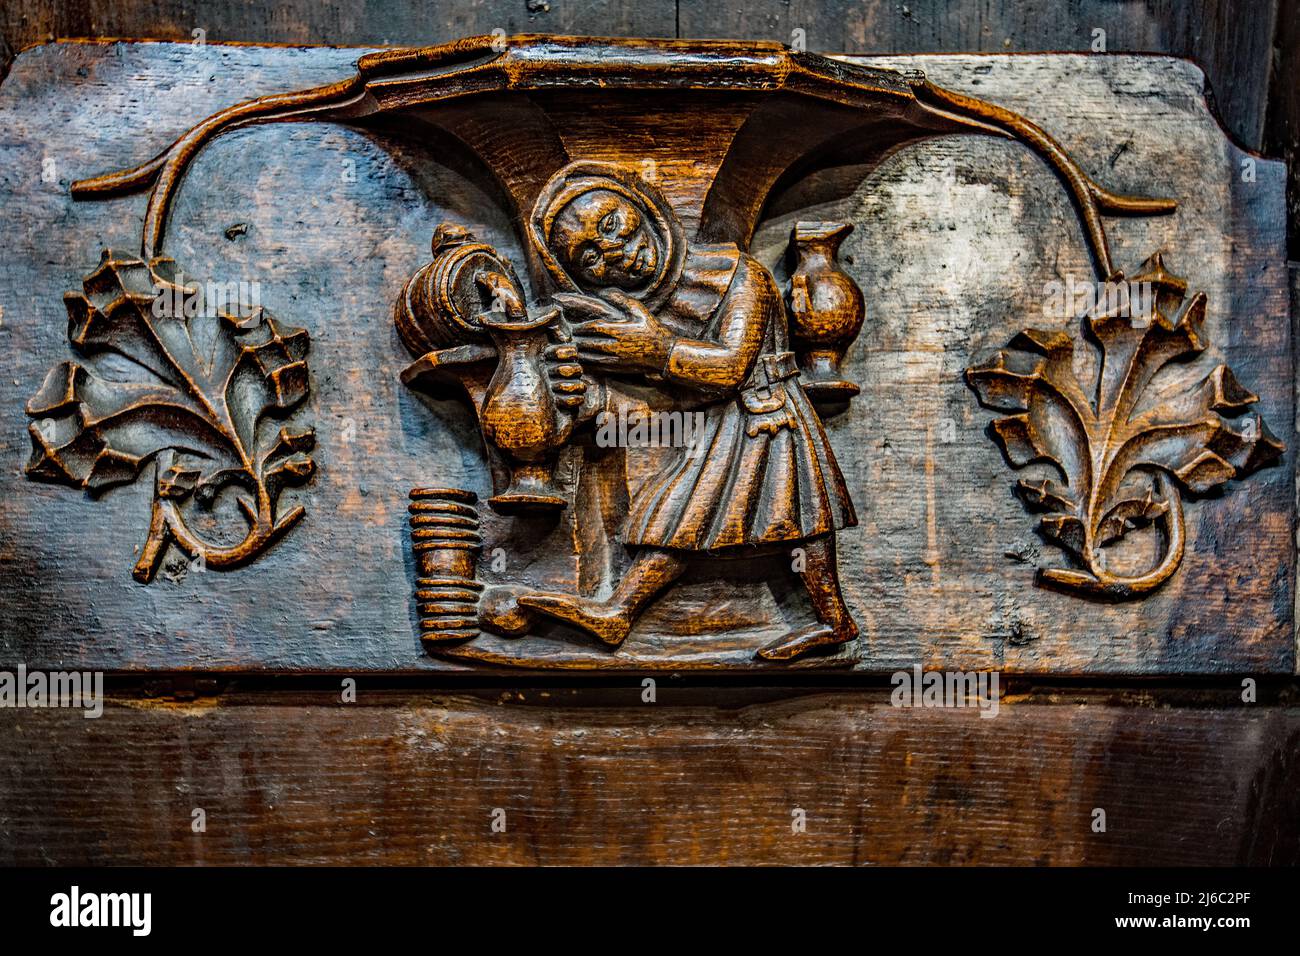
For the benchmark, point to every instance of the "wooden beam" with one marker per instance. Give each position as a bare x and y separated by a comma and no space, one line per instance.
409,778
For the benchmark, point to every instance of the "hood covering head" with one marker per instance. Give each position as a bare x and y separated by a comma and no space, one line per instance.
577,179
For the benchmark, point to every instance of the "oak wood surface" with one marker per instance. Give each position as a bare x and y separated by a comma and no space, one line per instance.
1282,130
300,778
940,572
699,777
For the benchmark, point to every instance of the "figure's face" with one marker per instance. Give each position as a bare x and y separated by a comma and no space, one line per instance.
604,240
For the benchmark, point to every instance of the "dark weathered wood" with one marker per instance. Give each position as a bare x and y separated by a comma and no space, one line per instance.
1282,130
1232,40
24,23
411,779
958,238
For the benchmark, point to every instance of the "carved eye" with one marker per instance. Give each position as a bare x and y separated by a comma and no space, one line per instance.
608,224
589,258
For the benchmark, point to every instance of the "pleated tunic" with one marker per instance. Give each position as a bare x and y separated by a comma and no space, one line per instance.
761,471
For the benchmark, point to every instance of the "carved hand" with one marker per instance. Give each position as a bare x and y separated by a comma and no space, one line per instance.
502,292
617,332
565,373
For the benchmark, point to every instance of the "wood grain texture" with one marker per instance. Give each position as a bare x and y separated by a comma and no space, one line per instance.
24,23
404,779
1232,40
958,238
1282,126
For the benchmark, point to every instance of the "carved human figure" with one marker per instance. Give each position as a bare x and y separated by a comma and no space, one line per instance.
707,320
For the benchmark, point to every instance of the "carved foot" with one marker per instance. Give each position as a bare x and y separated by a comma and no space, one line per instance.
610,624
806,639
499,612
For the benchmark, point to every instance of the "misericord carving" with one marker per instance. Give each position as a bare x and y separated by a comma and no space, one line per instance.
636,191
704,325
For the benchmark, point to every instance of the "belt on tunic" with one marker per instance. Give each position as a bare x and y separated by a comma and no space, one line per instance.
763,392
776,367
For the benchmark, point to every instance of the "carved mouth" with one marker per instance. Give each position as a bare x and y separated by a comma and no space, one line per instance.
641,260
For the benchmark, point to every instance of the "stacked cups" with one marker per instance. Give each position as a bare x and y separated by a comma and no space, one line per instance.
445,539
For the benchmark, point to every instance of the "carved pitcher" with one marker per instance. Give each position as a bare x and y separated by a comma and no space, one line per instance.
519,414
826,310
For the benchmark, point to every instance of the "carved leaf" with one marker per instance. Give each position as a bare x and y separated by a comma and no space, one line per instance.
1134,420
178,386
1129,514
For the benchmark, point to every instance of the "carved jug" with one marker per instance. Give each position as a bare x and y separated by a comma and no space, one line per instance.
826,310
519,414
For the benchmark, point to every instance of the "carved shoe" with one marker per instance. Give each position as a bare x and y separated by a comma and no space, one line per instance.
806,639
610,624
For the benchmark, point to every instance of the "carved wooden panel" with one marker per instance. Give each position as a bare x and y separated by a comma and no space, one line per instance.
630,356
